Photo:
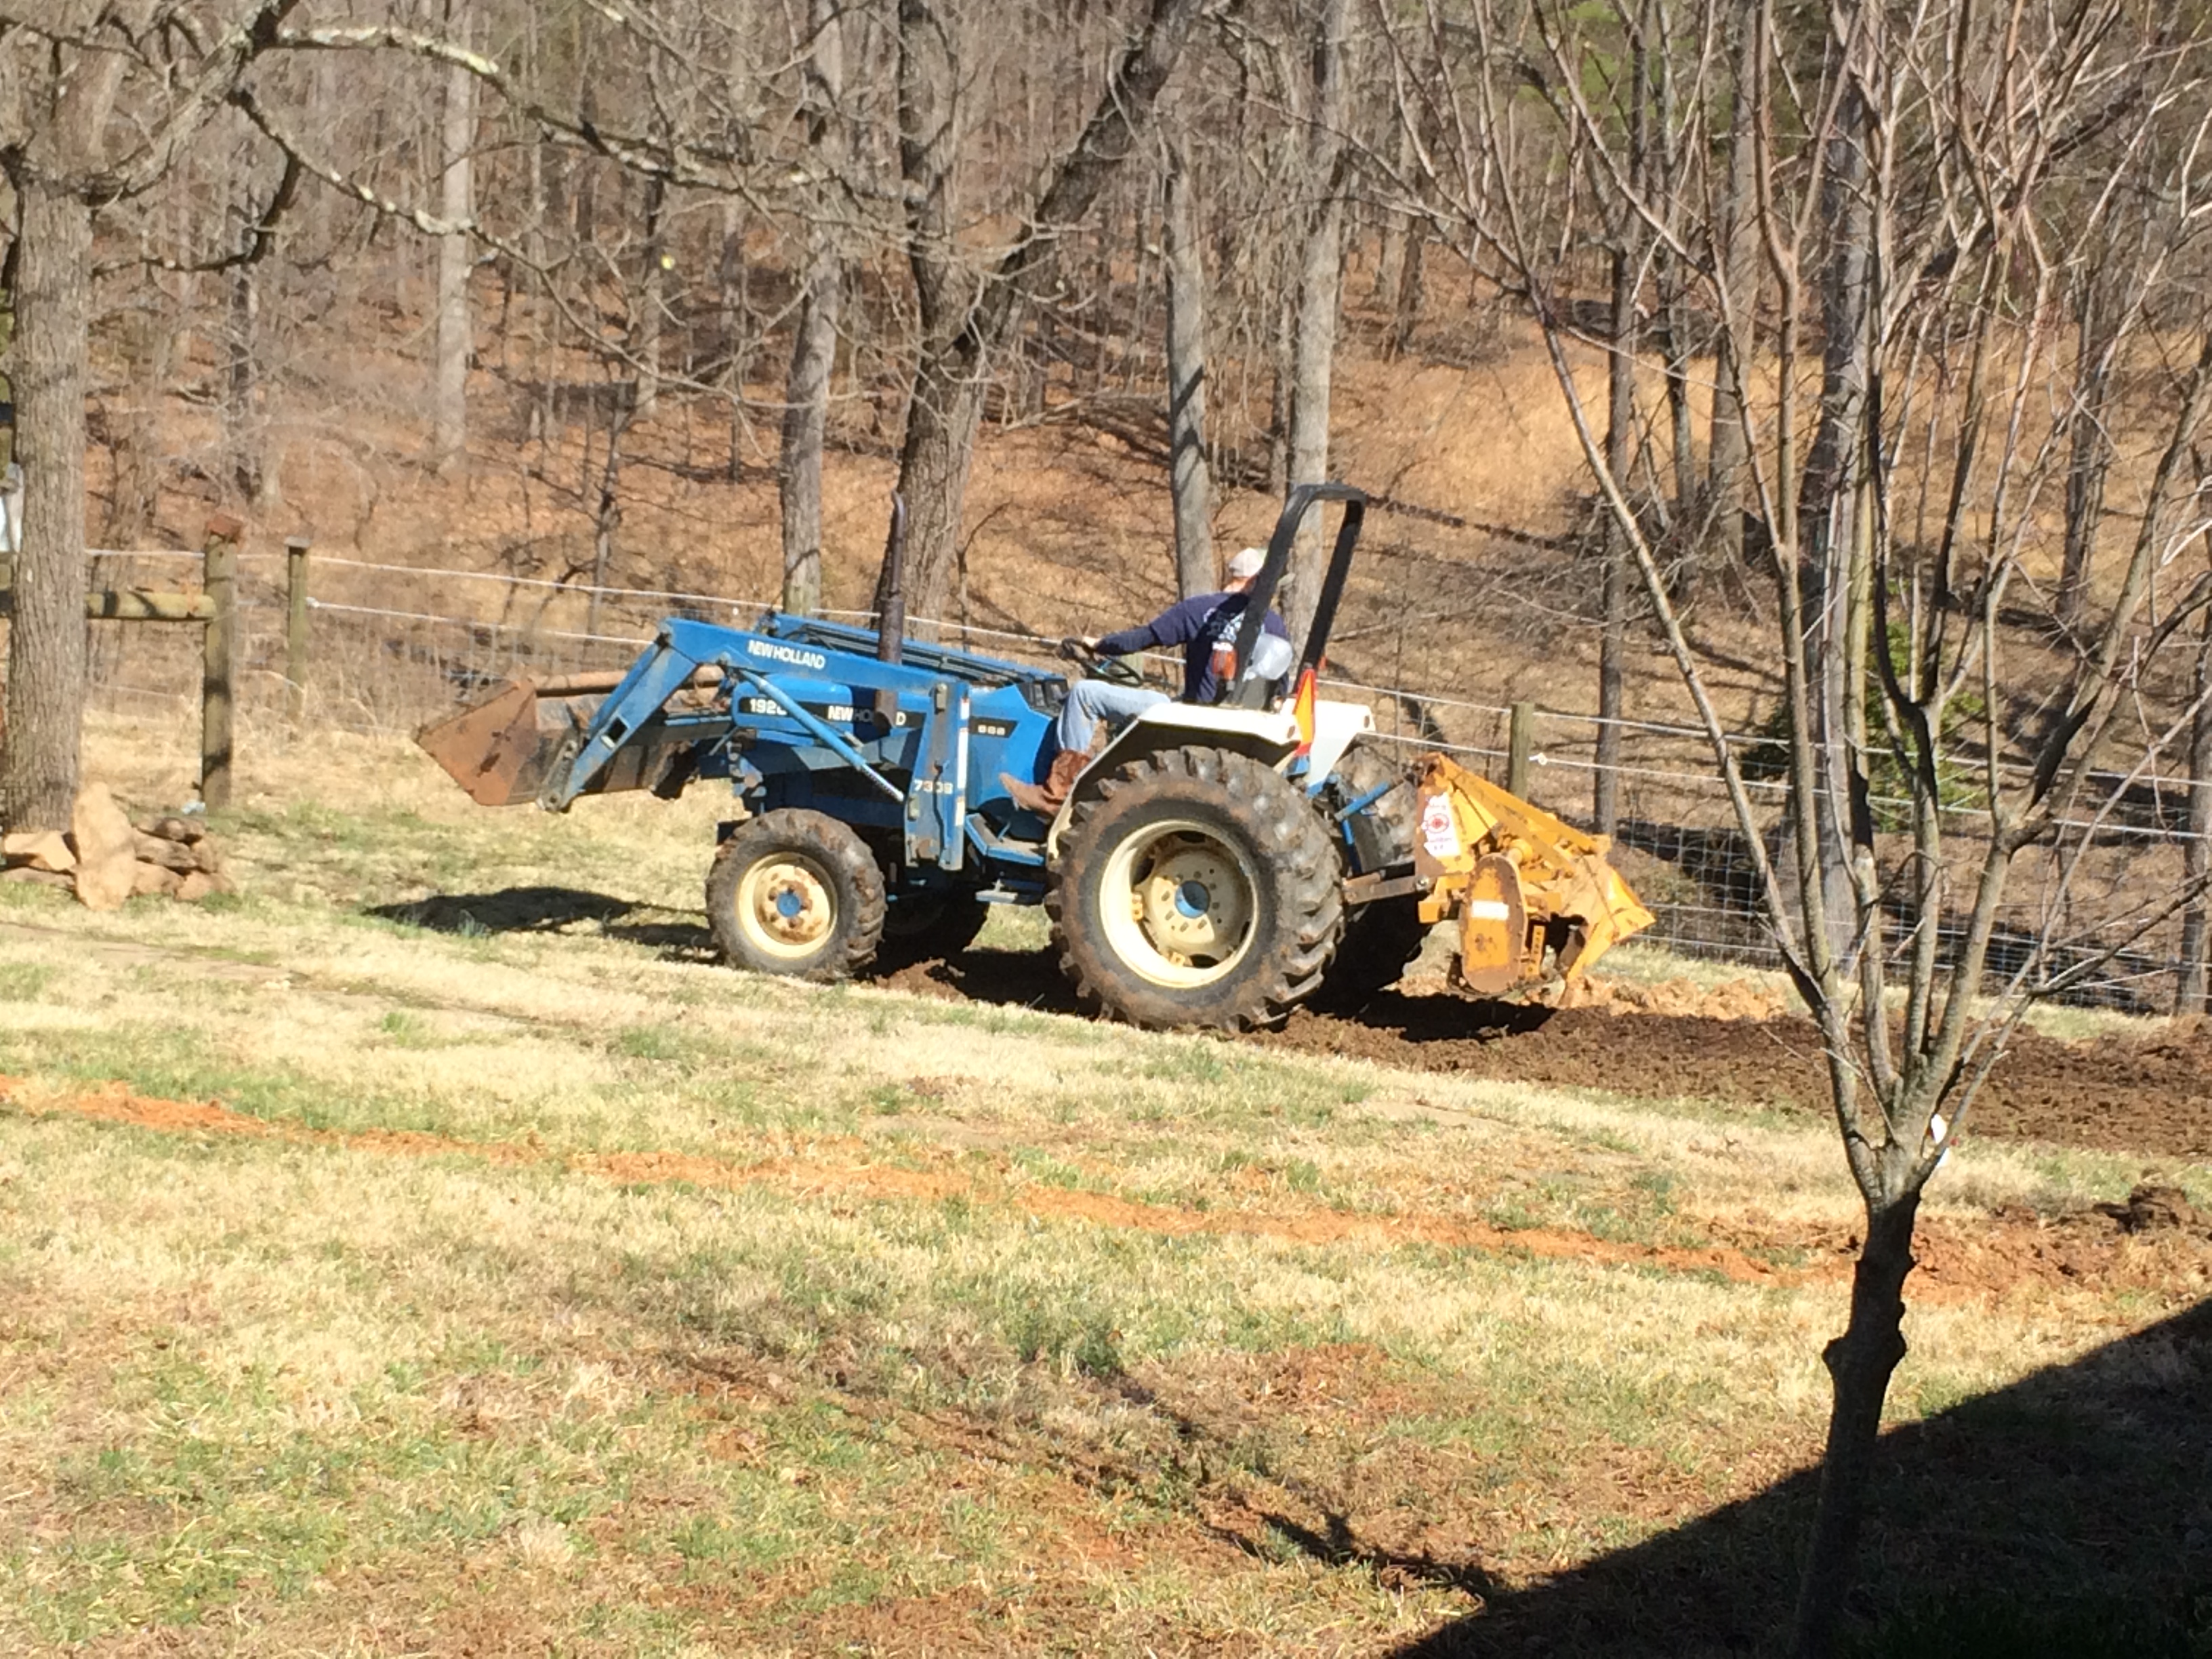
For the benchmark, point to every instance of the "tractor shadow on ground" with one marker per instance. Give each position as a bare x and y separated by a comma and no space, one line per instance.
678,934
2069,1514
1433,1018
1013,979
1024,979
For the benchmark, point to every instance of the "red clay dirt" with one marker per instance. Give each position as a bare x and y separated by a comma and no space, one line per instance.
813,1176
1957,1261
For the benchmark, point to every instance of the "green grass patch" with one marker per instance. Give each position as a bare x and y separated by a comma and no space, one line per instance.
24,981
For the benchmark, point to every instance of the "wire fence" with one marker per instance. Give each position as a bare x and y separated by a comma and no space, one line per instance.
393,646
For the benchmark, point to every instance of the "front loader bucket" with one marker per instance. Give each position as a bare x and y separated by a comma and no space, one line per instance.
505,748
496,749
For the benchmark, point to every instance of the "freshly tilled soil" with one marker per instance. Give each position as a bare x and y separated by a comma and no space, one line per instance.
2150,1094
2147,1094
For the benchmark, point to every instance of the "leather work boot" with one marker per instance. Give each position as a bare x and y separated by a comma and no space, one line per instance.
1045,798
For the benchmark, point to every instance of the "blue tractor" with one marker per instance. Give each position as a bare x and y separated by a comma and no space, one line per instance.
1212,867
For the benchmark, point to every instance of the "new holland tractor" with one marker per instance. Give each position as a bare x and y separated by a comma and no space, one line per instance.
1212,867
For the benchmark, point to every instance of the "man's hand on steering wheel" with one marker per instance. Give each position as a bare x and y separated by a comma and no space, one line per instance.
1118,671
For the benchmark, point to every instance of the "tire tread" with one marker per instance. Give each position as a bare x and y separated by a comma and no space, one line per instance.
1288,837
833,844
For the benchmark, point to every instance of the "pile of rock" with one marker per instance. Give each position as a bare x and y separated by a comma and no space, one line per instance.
105,858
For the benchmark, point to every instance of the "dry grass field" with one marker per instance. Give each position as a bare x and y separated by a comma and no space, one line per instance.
432,1250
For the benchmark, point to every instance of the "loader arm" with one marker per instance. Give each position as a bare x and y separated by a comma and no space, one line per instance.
659,674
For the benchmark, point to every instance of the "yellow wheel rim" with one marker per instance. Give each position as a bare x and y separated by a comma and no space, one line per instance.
1177,902
786,907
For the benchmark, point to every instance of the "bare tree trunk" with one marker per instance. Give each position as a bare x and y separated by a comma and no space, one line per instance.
806,419
1408,316
1321,282
456,203
944,402
1666,163
134,500
46,639
645,341
2192,994
1728,455
52,349
1675,326
739,338
814,339
1188,482
1834,538
2089,454
606,518
1390,255
242,427
1620,445
1282,369
1860,1364
1621,458
241,393
963,319
1829,501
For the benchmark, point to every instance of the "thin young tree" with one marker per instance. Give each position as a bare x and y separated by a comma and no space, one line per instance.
1918,183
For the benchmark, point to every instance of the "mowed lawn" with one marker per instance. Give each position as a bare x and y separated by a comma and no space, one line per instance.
502,1275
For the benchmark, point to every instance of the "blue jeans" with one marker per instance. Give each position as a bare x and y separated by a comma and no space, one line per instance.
1090,701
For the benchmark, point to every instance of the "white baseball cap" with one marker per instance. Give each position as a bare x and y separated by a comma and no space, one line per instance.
1246,565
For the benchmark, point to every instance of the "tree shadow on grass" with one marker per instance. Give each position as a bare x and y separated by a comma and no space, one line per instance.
1334,1544
2069,1514
1028,978
677,933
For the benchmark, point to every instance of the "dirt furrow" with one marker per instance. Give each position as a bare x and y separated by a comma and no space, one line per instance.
1959,1259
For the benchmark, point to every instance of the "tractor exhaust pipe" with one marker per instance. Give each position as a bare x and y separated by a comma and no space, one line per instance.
891,621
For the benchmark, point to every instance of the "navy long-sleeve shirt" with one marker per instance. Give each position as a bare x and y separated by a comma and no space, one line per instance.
1198,625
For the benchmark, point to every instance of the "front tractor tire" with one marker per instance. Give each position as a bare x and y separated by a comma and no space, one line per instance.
1196,887
796,893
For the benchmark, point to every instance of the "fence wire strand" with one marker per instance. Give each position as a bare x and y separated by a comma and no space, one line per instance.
393,645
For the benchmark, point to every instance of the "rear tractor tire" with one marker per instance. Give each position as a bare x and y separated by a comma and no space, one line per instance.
796,893
1382,939
1196,887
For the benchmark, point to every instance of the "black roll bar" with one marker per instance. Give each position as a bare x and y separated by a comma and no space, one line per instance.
1303,498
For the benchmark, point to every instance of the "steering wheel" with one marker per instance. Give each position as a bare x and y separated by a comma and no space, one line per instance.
1119,670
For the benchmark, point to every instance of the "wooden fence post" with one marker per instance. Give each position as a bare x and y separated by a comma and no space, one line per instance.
295,627
219,667
1521,740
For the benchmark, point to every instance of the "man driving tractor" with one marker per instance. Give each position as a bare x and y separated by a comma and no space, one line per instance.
1205,626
